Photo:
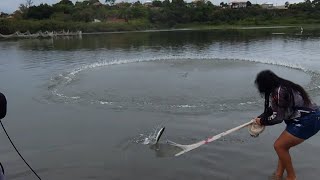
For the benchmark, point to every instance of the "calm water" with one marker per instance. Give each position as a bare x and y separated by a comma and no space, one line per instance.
82,108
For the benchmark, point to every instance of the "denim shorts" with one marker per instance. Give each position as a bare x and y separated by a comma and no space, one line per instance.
304,127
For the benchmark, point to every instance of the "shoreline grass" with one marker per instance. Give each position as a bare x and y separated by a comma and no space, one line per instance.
138,25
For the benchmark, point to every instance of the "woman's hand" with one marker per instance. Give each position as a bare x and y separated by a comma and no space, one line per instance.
258,121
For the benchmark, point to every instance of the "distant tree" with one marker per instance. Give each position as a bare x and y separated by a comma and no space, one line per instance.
81,5
286,4
136,4
86,15
249,4
110,2
200,3
93,1
65,6
222,4
304,6
137,12
43,11
60,16
29,3
156,3
209,3
179,3
316,1
66,2
166,3
23,8
123,5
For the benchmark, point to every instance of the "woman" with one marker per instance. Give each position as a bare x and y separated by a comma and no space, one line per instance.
291,103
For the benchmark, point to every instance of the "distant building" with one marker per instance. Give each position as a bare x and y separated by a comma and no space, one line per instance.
148,3
96,20
267,5
238,4
280,7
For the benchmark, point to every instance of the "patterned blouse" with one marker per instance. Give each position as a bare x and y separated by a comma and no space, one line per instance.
286,104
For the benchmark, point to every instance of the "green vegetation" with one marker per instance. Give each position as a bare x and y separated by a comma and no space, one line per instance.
92,16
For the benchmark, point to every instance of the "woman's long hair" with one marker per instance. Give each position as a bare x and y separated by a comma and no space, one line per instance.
266,81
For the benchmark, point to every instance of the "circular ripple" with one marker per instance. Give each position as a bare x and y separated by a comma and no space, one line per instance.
170,85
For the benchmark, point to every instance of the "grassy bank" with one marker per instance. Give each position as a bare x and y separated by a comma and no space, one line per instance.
252,22
9,26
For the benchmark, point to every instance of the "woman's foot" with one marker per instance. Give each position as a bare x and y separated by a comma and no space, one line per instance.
291,178
275,176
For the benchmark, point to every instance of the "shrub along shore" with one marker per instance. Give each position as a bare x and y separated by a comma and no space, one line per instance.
92,16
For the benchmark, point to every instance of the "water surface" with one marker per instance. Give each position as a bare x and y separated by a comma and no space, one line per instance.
81,108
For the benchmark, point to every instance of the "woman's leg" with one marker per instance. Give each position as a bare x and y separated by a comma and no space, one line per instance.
282,146
280,169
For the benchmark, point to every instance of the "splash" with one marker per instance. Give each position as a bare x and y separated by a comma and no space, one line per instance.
148,138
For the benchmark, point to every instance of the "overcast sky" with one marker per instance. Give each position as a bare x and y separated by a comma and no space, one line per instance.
9,6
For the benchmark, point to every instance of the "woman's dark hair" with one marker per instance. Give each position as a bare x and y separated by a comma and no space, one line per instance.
266,81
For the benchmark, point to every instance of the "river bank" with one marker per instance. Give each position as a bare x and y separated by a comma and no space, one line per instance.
10,26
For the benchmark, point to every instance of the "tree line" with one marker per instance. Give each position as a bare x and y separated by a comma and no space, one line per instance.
163,13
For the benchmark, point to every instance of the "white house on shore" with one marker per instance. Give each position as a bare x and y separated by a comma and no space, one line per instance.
148,3
96,20
267,5
238,4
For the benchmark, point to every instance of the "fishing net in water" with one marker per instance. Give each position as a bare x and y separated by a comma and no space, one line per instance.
27,34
